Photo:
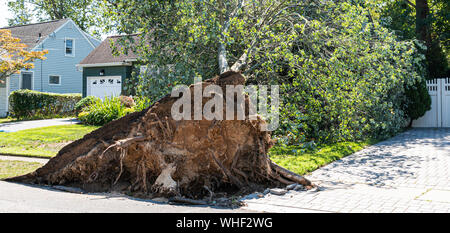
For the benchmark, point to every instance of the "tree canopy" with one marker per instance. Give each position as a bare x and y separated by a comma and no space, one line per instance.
347,69
343,75
83,12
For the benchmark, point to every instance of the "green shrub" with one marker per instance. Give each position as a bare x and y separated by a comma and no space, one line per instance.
82,116
128,101
127,111
85,102
141,103
40,105
101,112
418,100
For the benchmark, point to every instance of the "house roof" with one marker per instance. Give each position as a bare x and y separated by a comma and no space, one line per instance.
103,54
29,33
90,38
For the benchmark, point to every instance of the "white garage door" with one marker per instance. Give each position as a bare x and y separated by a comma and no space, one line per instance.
104,86
439,115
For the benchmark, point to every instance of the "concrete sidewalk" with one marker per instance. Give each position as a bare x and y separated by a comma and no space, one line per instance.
22,125
24,159
407,173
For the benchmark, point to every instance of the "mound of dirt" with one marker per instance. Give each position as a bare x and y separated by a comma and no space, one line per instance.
149,154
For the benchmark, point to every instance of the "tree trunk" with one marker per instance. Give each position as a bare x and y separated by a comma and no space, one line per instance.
423,24
436,62
223,64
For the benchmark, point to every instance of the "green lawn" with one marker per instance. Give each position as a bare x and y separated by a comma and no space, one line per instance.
302,162
16,168
47,141
42,142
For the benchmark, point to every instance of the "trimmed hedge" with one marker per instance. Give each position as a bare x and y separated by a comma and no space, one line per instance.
35,104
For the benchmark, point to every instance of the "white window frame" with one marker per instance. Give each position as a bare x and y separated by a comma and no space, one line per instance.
73,47
53,84
32,79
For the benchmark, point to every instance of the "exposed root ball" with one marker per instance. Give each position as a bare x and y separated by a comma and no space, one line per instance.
151,154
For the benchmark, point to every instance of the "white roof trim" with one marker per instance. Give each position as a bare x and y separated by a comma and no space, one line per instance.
60,27
92,37
82,33
105,64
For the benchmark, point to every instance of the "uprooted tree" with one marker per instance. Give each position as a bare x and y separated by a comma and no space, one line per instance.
149,153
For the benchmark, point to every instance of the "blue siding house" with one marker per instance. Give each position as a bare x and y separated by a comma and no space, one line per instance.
67,45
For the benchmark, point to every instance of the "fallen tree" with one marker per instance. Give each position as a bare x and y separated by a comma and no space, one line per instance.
149,154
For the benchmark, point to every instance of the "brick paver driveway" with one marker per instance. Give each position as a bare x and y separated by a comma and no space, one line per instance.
408,173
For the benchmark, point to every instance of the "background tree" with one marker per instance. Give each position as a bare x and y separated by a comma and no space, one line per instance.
22,14
83,12
14,56
428,21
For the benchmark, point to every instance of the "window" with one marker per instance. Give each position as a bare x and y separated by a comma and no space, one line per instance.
27,81
69,47
54,79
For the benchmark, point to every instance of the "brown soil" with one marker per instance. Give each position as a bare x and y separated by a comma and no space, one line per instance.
149,154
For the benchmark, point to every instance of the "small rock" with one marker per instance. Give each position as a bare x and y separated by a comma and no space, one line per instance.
291,186
278,191
251,196
68,189
223,199
299,187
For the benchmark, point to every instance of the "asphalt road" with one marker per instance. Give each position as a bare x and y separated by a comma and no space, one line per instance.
20,198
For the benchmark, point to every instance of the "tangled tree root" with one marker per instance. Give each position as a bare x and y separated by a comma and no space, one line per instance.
148,153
